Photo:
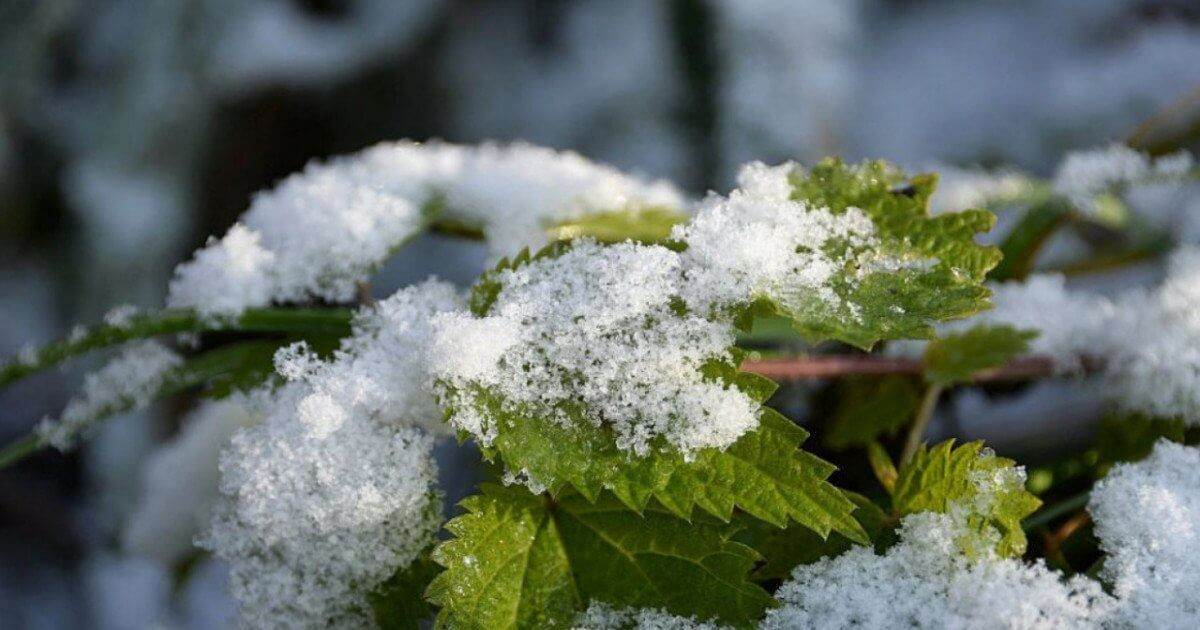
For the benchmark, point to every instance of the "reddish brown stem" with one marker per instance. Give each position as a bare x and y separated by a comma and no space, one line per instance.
835,366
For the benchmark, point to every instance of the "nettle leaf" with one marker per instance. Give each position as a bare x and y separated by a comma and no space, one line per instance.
785,549
870,408
924,269
969,477
522,560
764,473
955,358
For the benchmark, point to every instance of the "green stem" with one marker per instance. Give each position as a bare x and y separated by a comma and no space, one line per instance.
197,371
921,422
174,321
1050,513
22,448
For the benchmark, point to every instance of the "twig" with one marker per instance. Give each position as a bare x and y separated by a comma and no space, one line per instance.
836,366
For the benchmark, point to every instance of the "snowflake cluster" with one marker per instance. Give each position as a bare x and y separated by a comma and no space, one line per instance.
1148,521
925,581
595,326
623,331
321,231
332,491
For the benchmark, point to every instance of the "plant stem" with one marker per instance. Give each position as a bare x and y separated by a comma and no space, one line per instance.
836,366
921,422
199,370
22,448
174,321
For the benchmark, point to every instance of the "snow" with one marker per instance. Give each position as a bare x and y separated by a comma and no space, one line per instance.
131,379
602,616
322,231
311,522
594,326
1148,520
1084,175
760,243
180,483
332,492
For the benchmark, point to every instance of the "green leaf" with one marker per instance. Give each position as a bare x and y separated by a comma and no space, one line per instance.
925,268
968,477
646,225
870,408
520,560
399,603
1024,241
882,465
764,472
955,358
787,548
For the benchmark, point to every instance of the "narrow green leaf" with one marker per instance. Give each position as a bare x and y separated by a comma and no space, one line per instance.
334,322
882,465
1023,243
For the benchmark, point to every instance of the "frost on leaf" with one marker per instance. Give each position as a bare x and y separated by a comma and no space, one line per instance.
988,491
559,555
593,337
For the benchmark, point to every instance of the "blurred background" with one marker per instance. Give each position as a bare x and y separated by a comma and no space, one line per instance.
131,130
